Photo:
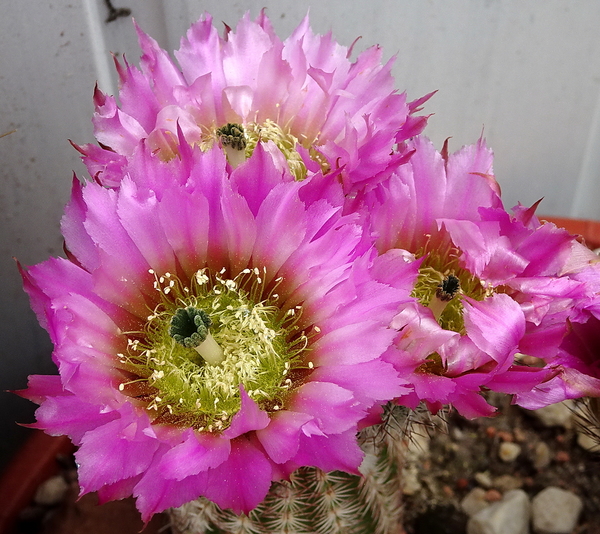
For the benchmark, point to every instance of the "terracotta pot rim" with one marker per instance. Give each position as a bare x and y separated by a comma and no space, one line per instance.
33,463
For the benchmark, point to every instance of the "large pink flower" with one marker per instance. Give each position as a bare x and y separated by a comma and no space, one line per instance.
324,112
491,287
213,331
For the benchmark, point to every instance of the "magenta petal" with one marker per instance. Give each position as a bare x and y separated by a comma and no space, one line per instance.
154,494
185,219
69,415
114,128
281,438
250,417
333,407
114,451
330,453
78,243
259,177
117,491
197,453
352,344
496,326
473,405
138,212
241,482
374,380
549,392
279,209
39,387
433,388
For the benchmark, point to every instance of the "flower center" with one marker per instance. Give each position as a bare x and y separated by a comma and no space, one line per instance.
442,282
239,143
205,339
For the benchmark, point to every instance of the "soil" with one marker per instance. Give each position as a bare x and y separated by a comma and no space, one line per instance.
460,457
465,455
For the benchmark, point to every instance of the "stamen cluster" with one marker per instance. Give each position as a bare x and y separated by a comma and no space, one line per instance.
263,350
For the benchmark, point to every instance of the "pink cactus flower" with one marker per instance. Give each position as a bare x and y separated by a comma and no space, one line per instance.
213,332
491,287
324,112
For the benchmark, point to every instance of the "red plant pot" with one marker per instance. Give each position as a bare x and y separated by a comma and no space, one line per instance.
34,463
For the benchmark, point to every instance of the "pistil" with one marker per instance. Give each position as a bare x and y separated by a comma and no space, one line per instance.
445,292
233,141
190,328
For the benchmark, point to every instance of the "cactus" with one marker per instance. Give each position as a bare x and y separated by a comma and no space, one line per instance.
315,502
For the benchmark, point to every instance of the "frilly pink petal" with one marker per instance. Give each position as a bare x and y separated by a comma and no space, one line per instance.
117,450
198,452
243,481
329,453
496,326
333,407
117,491
250,417
68,415
280,438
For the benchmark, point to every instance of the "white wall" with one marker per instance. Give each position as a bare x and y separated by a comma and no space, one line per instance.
525,71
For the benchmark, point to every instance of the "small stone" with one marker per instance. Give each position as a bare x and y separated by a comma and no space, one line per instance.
508,516
509,451
484,479
562,456
560,414
506,483
448,491
410,479
520,435
505,436
474,502
493,495
458,434
555,511
462,483
51,491
542,455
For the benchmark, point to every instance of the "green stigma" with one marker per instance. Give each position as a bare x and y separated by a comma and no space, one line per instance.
233,140
232,135
448,288
189,326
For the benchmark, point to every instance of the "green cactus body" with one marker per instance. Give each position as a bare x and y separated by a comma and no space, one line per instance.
315,502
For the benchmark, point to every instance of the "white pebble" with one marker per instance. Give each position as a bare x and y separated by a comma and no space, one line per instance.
474,502
508,451
484,479
555,511
508,516
542,455
51,491
560,414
